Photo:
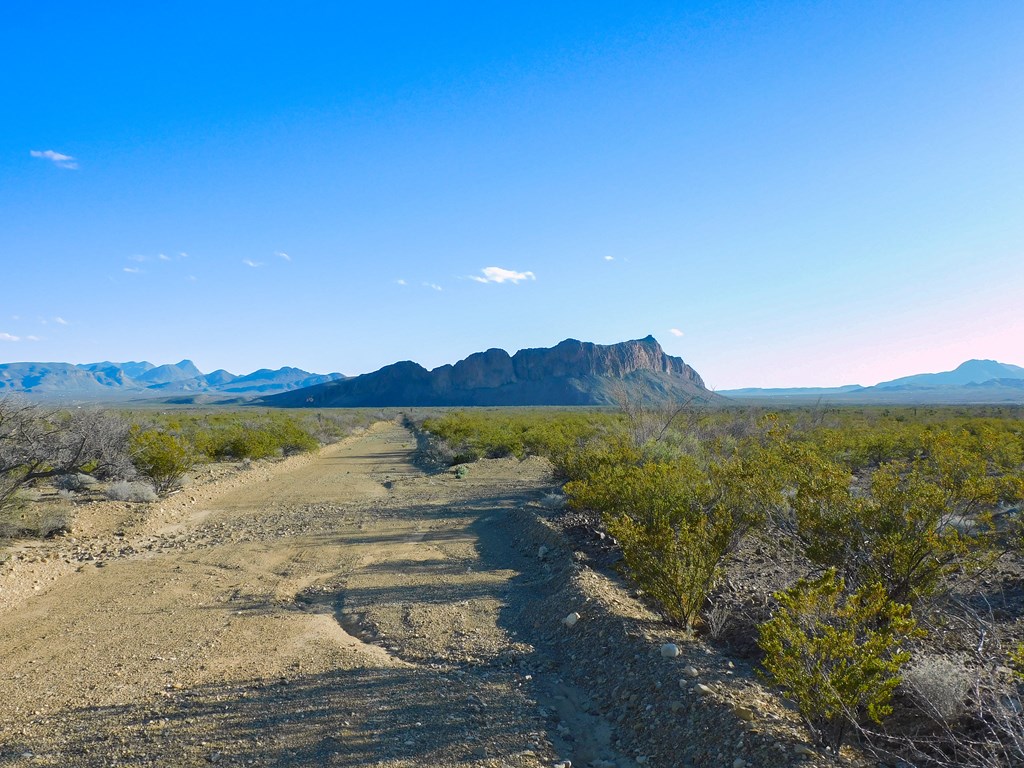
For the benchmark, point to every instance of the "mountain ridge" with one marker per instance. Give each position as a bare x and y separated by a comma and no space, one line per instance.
570,373
973,381
119,381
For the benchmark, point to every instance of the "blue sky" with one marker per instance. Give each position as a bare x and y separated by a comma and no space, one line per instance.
783,193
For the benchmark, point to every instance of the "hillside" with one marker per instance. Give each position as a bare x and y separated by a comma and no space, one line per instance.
570,373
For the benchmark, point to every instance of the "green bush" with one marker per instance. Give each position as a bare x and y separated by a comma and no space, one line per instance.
666,519
907,525
162,457
836,656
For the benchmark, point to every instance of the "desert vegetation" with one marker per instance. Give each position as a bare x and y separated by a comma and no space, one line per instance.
55,457
869,560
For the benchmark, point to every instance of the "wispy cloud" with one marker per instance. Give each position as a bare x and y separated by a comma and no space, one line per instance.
163,257
500,275
182,255
192,279
400,281
60,320
133,270
139,258
251,263
61,161
676,332
9,337
32,338
435,286
609,258
282,255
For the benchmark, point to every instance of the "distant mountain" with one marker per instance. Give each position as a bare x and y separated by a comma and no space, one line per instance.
970,372
164,374
975,381
790,391
133,380
571,373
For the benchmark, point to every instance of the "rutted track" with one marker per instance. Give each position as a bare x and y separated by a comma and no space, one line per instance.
350,610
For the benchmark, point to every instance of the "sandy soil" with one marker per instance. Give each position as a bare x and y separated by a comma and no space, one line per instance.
349,608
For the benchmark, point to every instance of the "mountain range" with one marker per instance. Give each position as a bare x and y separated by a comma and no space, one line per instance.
974,381
570,373
135,380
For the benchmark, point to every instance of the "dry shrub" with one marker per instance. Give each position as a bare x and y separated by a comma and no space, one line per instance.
134,492
41,521
939,686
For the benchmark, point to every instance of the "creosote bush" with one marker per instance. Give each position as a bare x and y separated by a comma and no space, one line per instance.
836,655
162,457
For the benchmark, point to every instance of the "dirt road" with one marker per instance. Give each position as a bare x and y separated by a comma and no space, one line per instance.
349,610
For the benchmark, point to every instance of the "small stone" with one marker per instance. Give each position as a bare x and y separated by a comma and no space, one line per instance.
739,762
705,689
803,749
669,650
542,552
563,764
743,713
480,751
213,757
690,671
571,619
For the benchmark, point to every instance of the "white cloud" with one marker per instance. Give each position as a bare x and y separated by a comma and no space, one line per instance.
9,337
435,286
400,281
251,263
182,255
133,270
500,275
609,258
164,257
61,161
676,332
282,255
60,320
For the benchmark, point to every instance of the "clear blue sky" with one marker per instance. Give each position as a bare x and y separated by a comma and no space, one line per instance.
810,193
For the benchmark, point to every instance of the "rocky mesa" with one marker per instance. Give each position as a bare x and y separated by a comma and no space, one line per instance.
570,373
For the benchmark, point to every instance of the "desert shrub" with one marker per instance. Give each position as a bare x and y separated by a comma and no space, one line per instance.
553,434
898,529
68,482
837,656
131,491
938,685
37,443
1016,660
256,437
36,521
672,532
162,457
